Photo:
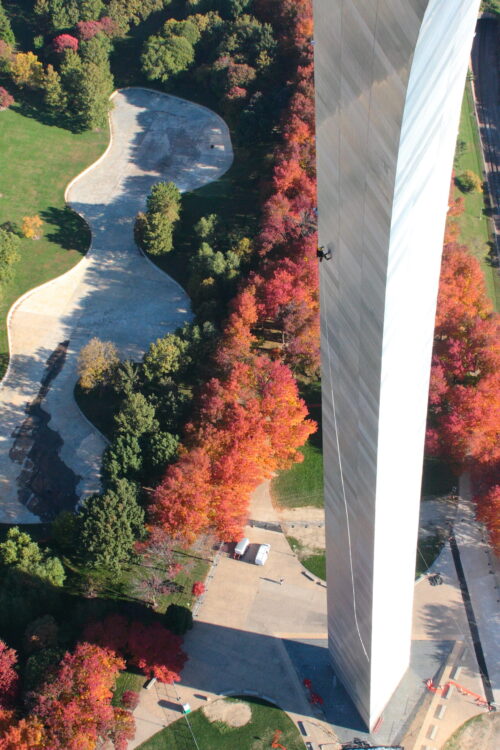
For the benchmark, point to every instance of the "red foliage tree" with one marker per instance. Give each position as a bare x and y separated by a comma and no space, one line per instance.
75,707
464,401
64,42
85,30
6,99
130,699
9,679
109,26
151,647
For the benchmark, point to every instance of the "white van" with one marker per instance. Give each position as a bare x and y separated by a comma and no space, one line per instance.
262,554
241,548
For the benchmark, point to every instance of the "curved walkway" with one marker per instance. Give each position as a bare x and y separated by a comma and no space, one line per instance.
49,453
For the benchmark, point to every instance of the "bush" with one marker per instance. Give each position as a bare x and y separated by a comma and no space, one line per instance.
178,619
198,588
469,182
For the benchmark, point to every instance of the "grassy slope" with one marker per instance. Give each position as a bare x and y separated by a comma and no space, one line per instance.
37,163
256,735
475,230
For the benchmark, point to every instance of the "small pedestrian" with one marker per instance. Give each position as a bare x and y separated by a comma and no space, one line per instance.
282,580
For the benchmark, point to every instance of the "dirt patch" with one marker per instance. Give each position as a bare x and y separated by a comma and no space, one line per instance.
232,713
306,525
481,732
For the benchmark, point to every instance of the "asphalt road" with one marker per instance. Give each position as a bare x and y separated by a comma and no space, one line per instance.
485,66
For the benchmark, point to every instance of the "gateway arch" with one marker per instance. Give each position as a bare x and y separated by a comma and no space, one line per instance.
389,78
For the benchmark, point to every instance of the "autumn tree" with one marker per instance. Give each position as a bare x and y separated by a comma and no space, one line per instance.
464,408
26,734
64,42
97,363
75,706
109,525
32,227
27,70
151,647
165,357
6,99
9,679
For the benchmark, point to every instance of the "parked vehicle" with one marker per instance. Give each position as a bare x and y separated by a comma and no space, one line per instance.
241,548
262,554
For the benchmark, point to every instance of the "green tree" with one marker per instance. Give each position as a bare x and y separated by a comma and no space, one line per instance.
57,14
126,377
9,253
123,458
206,227
91,10
109,525
186,29
88,86
126,12
165,57
232,8
165,357
96,50
54,96
21,552
65,531
97,363
154,229
160,449
6,32
158,234
136,416
165,199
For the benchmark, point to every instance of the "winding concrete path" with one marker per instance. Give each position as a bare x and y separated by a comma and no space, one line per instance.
49,453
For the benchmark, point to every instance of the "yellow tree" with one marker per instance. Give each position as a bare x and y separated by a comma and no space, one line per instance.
27,70
97,363
32,227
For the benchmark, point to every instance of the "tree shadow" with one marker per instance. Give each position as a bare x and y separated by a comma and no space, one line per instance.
70,231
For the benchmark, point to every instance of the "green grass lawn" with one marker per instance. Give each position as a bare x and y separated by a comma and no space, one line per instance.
127,681
38,161
109,585
474,223
256,735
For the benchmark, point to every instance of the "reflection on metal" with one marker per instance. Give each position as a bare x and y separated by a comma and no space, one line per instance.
389,82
